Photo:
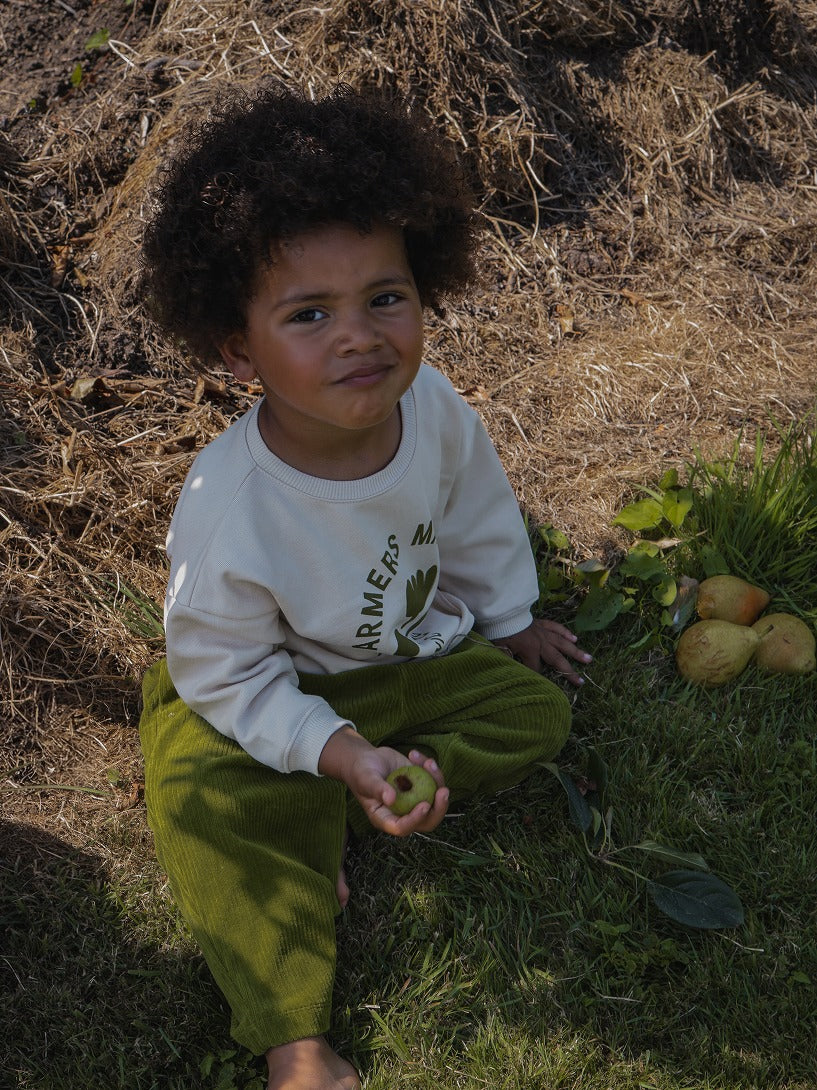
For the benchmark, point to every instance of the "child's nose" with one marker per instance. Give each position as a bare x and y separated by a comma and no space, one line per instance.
357,333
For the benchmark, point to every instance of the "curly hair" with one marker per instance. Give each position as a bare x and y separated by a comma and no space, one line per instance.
266,167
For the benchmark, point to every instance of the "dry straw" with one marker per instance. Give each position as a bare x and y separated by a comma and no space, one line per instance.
649,280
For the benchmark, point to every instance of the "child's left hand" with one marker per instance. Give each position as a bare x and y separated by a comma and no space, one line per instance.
348,757
547,643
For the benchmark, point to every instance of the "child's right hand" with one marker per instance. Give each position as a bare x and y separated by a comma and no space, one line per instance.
364,768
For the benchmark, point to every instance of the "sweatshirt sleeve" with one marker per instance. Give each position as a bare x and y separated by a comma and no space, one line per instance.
485,555
230,672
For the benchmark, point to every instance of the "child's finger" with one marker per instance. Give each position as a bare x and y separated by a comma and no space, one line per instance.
564,667
437,812
578,654
429,764
390,823
423,818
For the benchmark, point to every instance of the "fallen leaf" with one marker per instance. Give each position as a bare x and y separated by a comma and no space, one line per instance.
132,798
211,386
565,318
60,256
178,444
88,387
476,393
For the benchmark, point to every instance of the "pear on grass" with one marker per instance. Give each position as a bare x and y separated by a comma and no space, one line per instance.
712,652
786,646
728,598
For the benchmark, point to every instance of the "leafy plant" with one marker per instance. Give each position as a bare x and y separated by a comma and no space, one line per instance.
645,578
98,40
757,521
760,520
691,896
231,1070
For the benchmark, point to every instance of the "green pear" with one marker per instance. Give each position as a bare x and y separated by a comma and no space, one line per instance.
728,598
786,645
412,784
712,652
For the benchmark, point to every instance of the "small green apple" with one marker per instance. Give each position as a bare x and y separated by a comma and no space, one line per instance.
412,784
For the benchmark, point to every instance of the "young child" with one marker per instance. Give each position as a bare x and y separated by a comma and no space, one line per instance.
351,581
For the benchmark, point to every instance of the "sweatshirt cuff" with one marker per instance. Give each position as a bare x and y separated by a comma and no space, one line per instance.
306,747
508,625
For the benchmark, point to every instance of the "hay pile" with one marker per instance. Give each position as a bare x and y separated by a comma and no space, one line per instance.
649,184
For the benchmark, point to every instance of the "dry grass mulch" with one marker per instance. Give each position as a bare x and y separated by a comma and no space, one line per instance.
649,290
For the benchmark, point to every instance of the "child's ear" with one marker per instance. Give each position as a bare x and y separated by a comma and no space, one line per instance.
235,355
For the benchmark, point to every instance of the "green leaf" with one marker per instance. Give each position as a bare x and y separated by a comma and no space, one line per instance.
649,547
554,539
554,578
612,929
76,75
641,515
591,566
641,565
713,561
670,855
597,772
676,505
97,41
665,591
226,1077
669,480
696,900
580,813
599,608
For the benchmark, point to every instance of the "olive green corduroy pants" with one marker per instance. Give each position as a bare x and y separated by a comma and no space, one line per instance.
252,855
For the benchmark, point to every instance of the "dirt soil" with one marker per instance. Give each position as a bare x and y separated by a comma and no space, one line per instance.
649,184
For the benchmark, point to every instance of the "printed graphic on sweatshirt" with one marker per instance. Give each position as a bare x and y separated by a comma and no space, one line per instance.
419,590
419,594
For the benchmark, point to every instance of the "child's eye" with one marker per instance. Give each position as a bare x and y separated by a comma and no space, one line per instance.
309,314
386,299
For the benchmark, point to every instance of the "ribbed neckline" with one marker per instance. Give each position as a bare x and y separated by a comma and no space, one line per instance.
342,491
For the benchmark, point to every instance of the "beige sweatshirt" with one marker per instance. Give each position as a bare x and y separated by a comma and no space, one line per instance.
273,571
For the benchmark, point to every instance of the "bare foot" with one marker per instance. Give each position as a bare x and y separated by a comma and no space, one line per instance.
309,1064
342,887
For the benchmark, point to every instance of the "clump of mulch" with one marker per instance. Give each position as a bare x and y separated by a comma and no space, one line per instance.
649,283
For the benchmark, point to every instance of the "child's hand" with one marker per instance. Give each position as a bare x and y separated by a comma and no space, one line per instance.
548,643
375,795
364,768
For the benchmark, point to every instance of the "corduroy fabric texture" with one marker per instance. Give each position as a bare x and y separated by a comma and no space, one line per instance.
252,855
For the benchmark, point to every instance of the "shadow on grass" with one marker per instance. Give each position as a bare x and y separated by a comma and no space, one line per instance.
88,999
562,966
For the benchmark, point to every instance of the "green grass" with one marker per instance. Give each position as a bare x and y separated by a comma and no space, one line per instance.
496,953
762,518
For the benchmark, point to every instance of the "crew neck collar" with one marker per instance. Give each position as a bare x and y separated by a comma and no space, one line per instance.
322,488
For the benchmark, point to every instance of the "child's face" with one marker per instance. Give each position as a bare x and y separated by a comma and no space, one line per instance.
334,335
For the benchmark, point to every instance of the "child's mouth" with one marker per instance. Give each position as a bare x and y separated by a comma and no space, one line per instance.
364,376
